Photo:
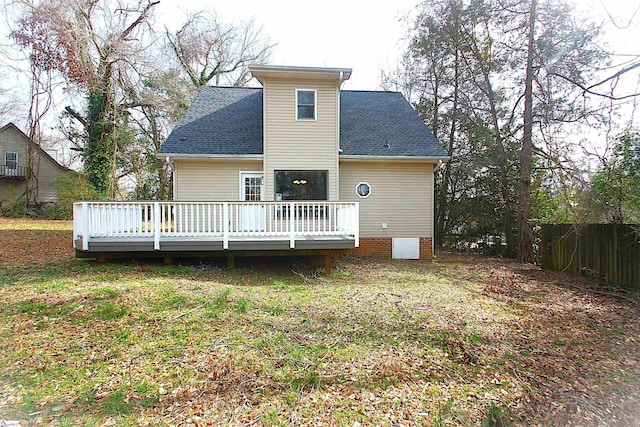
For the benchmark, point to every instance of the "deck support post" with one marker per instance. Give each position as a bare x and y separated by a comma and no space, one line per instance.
225,225
156,226
231,261
85,226
328,264
168,260
292,225
356,228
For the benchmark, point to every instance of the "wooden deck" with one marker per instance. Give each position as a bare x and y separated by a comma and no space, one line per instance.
214,229
178,244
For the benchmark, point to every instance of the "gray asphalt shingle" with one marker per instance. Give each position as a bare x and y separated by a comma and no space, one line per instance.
383,124
220,120
229,121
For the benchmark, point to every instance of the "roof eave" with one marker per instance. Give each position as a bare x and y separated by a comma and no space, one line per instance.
262,71
186,156
426,159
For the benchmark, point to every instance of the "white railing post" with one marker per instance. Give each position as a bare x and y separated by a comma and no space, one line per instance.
85,231
225,225
292,224
356,223
77,208
156,226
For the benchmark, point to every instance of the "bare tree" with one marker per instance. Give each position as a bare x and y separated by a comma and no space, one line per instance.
210,50
89,43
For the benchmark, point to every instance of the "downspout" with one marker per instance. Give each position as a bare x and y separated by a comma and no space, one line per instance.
169,166
433,242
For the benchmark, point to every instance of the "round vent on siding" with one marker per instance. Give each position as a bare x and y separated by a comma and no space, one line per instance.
363,190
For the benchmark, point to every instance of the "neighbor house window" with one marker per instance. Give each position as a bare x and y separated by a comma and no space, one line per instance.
301,185
306,104
11,160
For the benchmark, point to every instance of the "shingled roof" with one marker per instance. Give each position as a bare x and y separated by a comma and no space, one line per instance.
228,121
220,120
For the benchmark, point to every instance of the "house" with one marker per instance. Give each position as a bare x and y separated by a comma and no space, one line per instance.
26,170
296,165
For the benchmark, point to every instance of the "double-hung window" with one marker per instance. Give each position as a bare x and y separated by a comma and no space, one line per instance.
10,160
305,104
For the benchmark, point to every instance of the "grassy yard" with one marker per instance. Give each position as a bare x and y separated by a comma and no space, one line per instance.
460,341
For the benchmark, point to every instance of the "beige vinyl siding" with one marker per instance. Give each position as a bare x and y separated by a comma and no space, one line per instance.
401,196
210,180
45,173
292,144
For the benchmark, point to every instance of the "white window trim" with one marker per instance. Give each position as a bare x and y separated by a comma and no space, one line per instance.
368,185
5,158
315,106
241,183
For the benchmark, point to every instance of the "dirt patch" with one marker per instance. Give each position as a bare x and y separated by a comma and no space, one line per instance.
33,242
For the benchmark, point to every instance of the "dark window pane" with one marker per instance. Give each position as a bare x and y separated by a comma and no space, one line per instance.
306,97
306,112
11,160
301,185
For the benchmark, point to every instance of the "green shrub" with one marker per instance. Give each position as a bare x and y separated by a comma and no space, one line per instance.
15,205
72,187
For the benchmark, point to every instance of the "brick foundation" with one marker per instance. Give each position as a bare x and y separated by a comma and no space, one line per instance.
382,247
426,248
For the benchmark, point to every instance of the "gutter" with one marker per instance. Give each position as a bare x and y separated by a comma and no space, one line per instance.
178,156
432,159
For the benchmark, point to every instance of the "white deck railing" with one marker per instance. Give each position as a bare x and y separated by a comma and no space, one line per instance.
214,220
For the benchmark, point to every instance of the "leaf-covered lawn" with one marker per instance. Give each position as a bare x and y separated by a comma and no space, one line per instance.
461,341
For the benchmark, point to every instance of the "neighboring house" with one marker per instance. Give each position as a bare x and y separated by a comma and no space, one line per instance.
26,170
295,165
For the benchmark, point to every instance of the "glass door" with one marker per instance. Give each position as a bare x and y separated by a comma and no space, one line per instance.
251,190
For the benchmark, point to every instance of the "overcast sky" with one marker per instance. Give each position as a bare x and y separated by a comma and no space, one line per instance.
363,35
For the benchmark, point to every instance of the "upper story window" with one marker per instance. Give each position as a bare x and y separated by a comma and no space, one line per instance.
306,104
11,160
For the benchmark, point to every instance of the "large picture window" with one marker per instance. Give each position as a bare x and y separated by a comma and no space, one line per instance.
301,185
306,104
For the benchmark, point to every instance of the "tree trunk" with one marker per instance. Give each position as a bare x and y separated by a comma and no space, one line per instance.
525,232
441,207
99,156
503,160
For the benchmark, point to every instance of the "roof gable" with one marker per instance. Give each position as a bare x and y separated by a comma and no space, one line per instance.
45,155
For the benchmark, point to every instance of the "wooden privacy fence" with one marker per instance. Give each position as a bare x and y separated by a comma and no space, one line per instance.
607,251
